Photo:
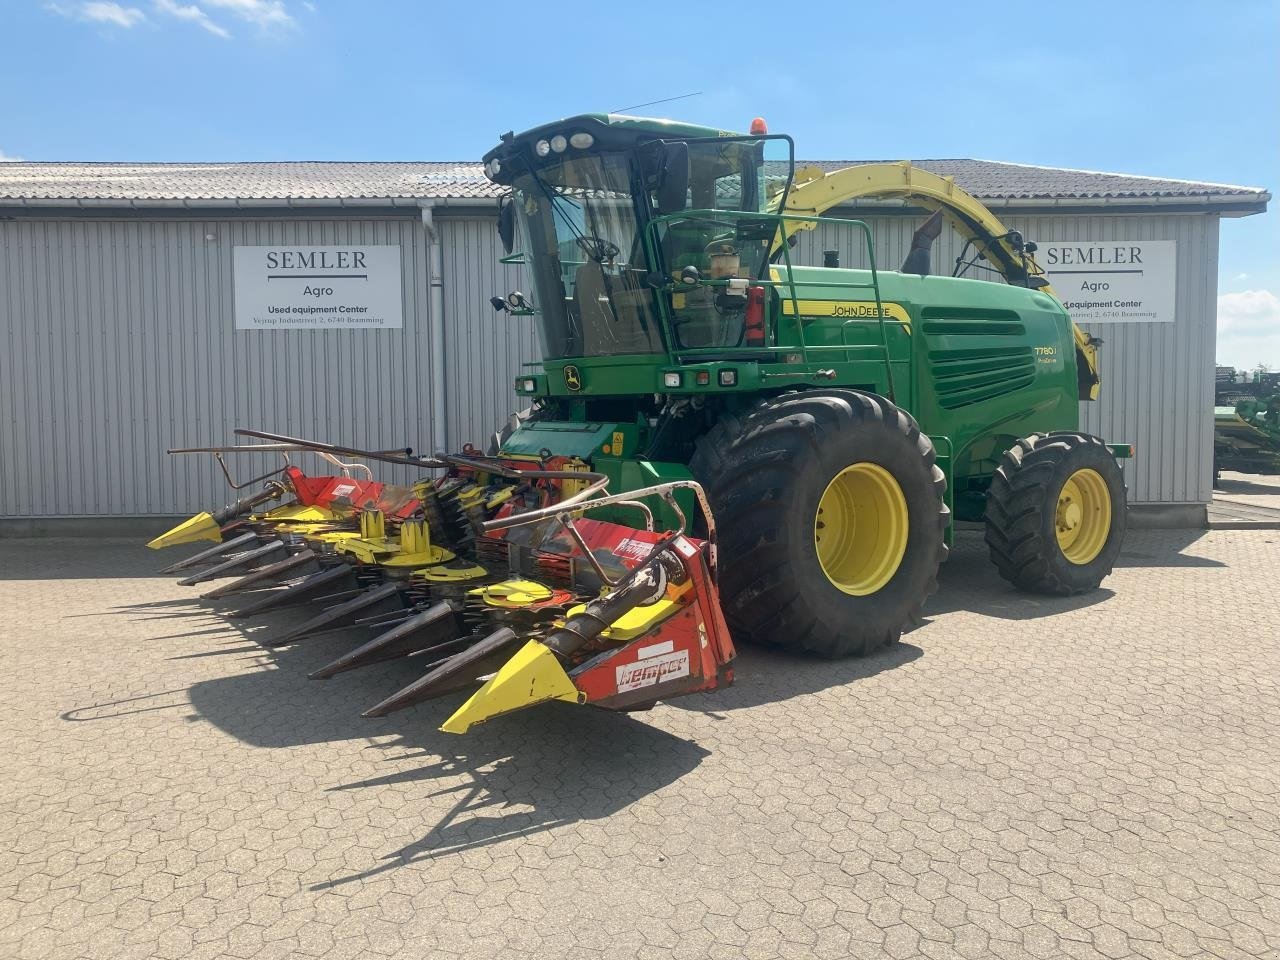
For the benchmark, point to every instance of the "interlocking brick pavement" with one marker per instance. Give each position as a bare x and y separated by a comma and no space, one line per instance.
1021,777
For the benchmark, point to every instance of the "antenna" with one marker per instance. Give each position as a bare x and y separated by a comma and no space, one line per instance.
652,103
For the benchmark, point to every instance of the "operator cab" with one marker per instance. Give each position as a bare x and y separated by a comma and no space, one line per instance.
622,220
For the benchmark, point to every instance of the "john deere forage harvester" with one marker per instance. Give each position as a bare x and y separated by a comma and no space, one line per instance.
839,421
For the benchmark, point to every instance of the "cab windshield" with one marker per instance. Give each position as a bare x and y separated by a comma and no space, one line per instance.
727,179
583,246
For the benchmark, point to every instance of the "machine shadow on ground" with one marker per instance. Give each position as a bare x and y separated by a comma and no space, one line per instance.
511,778
508,779
1252,488
1163,548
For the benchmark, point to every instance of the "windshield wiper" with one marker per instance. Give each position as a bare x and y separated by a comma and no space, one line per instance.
584,242
555,207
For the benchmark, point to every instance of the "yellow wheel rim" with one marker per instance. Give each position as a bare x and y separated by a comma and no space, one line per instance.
860,531
1082,519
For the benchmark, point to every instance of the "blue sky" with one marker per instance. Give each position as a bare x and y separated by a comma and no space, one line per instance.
1177,89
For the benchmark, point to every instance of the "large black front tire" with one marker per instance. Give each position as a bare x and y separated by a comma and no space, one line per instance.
1024,513
766,473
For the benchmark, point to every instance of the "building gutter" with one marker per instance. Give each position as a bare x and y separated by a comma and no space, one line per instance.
1239,204
276,203
1221,204
436,319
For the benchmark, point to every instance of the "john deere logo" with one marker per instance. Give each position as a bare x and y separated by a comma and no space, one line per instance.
572,378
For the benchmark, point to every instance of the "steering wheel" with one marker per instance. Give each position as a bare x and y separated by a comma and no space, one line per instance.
599,249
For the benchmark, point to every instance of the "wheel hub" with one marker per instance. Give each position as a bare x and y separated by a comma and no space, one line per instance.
860,529
1069,515
1082,519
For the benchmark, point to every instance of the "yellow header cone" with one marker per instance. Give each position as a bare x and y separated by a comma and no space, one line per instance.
200,527
532,676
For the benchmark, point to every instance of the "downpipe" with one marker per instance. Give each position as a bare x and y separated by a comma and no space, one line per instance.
435,319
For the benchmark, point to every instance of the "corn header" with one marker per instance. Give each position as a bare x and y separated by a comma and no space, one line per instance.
487,574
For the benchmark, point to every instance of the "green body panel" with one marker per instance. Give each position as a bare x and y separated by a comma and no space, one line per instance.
585,440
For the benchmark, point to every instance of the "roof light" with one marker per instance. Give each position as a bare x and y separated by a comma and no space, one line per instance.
559,144
529,385
581,141
492,168
759,127
728,378
542,148
703,378
672,379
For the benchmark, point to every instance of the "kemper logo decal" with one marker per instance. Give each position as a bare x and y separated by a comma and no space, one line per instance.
572,378
654,670
636,549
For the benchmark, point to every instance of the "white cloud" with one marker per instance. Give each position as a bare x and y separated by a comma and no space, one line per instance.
193,14
1242,276
1249,329
262,13
112,13
5,158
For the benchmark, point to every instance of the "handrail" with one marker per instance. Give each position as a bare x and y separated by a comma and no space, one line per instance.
566,511
780,219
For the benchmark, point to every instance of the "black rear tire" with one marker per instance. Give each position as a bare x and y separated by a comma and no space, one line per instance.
765,473
1021,516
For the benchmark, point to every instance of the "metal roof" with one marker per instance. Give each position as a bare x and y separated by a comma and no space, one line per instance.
317,183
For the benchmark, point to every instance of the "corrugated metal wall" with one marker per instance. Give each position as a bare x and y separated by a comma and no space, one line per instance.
484,349
1157,390
120,342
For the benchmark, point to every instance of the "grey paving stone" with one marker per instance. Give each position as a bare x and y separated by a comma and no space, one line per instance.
1093,777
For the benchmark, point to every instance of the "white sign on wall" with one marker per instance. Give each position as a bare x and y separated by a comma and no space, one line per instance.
317,288
1113,281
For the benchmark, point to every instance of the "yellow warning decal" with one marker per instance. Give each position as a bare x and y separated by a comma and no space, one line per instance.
848,310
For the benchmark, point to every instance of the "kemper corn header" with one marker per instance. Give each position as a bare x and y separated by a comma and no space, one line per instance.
838,420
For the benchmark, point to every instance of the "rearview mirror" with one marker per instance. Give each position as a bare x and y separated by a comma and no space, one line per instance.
673,188
507,223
